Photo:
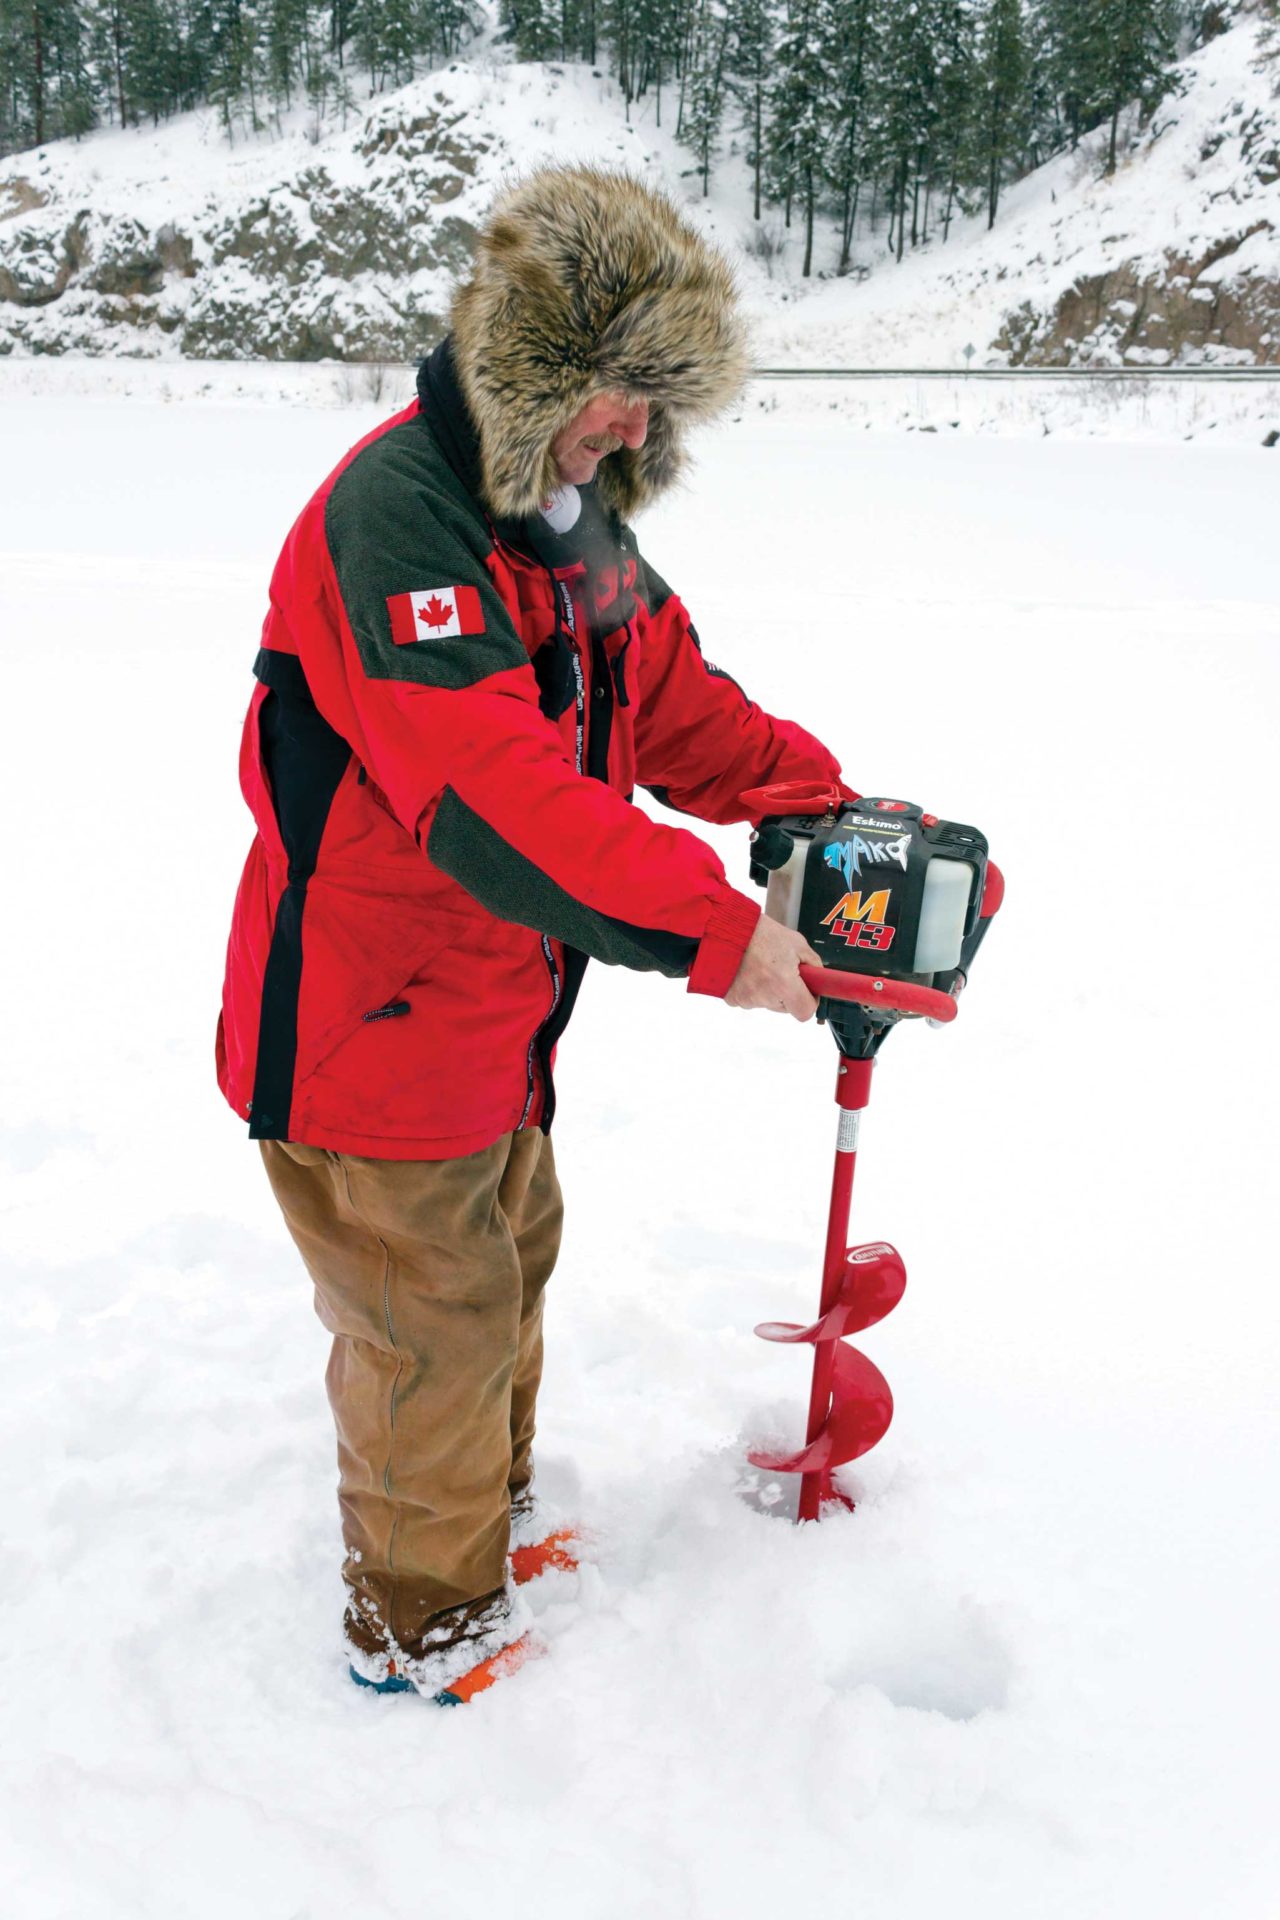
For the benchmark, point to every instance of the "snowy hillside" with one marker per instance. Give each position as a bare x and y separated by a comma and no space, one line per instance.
170,243
1173,260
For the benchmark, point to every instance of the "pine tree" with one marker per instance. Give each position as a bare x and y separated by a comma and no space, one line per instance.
621,24
342,16
956,30
286,23
453,23
77,101
909,109
47,87
751,31
369,40
801,109
1068,54
237,73
658,37
1001,95
536,29
403,35
106,40
705,96
1133,43
21,76
1045,128
853,53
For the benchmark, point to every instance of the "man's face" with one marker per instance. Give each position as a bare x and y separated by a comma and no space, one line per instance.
608,422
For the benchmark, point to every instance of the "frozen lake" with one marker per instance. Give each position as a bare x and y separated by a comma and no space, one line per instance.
1034,1672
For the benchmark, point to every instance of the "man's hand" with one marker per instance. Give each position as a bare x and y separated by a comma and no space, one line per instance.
769,975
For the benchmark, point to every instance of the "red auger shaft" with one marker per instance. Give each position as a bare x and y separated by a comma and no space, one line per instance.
850,1405
853,1091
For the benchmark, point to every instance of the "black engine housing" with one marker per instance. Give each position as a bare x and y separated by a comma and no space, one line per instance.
853,882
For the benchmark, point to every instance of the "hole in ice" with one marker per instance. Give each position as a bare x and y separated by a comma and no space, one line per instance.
776,1495
900,1632
925,1652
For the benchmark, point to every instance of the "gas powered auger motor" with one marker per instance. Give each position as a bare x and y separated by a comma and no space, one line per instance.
896,902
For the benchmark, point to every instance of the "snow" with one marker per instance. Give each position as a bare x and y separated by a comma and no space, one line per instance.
1240,406
1032,1673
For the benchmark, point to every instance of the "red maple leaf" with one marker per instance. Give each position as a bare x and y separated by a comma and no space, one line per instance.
437,612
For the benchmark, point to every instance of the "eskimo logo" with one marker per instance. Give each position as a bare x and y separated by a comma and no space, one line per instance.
861,922
846,856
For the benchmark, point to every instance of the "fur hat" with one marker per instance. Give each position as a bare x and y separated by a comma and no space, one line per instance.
586,282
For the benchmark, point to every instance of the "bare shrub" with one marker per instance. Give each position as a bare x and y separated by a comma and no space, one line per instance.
767,243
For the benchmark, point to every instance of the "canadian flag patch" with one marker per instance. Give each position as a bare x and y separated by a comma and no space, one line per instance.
435,613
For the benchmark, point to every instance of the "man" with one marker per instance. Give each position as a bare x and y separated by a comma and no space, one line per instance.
465,670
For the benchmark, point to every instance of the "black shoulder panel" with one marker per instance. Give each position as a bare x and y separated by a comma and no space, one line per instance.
473,853
398,522
650,585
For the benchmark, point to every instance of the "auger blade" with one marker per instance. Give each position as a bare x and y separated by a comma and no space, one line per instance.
861,1409
872,1282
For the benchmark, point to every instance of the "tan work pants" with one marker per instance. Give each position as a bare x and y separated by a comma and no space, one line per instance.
429,1274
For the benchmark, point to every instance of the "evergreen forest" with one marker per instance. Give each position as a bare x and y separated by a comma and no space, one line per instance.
901,112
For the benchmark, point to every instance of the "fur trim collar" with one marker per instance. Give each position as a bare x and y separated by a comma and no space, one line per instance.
587,281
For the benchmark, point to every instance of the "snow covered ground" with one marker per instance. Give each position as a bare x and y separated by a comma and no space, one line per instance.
1240,406
1034,1672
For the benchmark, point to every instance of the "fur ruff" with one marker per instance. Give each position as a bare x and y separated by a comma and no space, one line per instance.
586,282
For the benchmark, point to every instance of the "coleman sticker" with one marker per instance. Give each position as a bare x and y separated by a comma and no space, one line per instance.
436,613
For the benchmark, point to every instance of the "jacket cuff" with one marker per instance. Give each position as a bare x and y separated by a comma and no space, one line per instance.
725,939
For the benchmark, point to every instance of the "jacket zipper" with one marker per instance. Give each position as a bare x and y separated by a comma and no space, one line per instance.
548,954
570,620
566,619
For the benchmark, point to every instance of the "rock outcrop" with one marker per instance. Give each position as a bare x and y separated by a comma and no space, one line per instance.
1215,298
1211,309
352,255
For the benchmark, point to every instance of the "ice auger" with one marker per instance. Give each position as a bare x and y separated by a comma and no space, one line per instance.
896,902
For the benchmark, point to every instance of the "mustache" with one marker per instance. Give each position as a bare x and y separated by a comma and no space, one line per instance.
603,443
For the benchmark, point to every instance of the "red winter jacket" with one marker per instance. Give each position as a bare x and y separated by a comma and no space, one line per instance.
451,715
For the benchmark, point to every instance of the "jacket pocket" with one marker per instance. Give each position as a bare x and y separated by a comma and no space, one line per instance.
363,952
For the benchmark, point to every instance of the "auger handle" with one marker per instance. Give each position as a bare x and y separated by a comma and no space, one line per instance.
792,796
869,990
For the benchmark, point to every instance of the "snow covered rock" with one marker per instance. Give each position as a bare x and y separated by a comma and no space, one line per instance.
1215,297
347,247
1208,309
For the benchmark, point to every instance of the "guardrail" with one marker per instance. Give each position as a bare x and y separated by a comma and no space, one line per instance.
1260,374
